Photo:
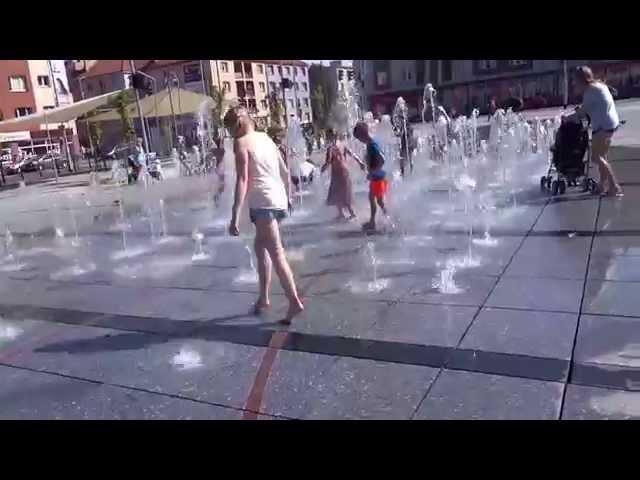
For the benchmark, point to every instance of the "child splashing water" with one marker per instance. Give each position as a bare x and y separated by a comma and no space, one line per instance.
376,175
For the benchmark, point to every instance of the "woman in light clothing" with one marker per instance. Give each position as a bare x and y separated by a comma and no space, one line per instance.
263,179
598,104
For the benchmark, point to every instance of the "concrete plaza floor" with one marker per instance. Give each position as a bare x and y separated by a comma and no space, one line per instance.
547,328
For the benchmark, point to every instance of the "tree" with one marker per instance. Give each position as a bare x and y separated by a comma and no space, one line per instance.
319,104
95,131
121,102
276,109
218,109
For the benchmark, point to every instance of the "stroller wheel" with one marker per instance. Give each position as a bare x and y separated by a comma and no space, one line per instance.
554,187
562,187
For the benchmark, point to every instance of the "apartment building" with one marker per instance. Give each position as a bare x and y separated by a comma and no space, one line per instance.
333,78
466,84
297,100
31,86
245,81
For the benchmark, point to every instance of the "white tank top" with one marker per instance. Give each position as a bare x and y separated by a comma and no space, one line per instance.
599,104
266,189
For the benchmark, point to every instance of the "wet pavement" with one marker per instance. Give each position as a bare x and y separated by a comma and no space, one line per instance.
546,327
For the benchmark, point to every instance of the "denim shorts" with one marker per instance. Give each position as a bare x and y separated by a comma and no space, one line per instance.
266,214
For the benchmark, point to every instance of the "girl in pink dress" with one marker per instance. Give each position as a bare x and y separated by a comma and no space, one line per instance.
340,191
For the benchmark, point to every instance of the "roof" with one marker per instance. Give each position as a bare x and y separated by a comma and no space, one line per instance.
297,63
181,102
106,67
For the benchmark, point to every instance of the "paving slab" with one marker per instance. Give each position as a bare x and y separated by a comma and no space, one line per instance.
310,386
575,214
606,245
591,403
213,371
28,395
521,332
551,258
620,268
608,340
473,290
458,395
412,323
537,294
353,319
612,298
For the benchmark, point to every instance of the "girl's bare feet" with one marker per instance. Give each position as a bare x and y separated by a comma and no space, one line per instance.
261,306
295,308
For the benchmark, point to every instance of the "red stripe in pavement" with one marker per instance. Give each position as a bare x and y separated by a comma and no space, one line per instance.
254,401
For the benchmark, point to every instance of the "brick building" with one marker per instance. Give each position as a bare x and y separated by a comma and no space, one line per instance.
31,86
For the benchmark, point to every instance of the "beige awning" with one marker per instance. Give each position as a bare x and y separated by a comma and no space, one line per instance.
57,115
185,102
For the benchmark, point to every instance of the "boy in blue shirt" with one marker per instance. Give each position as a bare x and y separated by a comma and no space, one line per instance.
376,176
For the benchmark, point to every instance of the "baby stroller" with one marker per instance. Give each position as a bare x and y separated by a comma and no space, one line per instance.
571,160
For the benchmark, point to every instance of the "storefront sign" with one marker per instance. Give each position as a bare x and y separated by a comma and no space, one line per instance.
15,137
192,73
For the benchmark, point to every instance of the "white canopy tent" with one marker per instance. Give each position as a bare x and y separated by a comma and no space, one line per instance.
57,115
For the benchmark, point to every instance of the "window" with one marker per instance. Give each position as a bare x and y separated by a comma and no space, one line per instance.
240,89
224,66
101,83
307,117
262,87
49,107
237,67
306,102
290,100
287,70
485,65
272,86
279,70
420,69
296,86
261,69
22,111
252,105
447,73
263,104
304,86
44,81
270,69
250,89
381,79
248,71
303,71
295,70
17,84
226,87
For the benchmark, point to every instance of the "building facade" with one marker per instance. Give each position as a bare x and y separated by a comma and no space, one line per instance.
248,82
466,84
297,100
32,86
333,79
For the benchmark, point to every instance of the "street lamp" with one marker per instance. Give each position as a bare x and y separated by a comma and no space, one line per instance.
132,67
169,78
155,96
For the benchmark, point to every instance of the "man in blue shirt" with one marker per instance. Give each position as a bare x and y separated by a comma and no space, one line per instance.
376,176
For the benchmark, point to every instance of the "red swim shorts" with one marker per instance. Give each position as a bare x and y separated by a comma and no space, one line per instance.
378,188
